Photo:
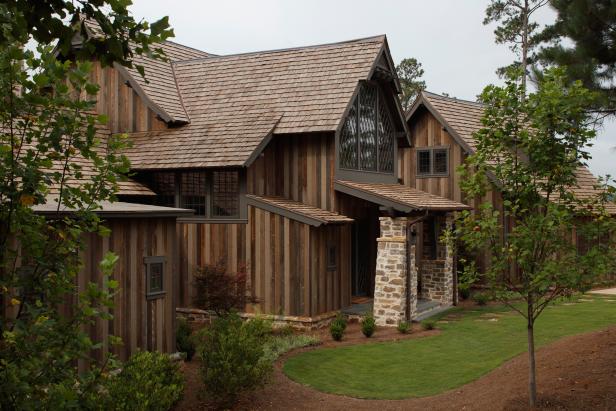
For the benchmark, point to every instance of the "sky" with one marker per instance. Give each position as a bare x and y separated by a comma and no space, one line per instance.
457,51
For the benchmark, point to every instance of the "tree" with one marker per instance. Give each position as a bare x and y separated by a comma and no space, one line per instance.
582,39
48,135
409,72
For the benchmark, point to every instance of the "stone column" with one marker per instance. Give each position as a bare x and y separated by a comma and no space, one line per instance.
390,286
449,267
413,278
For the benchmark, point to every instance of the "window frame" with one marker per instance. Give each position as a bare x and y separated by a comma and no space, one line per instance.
360,174
148,262
431,150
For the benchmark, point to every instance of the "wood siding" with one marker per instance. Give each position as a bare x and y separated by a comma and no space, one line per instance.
126,110
426,131
140,322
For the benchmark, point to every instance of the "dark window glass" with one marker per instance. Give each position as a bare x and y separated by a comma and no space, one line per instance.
348,140
332,257
155,284
163,184
423,162
193,191
386,139
225,194
440,161
367,128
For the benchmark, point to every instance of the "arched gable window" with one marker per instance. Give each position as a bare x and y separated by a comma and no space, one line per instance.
367,136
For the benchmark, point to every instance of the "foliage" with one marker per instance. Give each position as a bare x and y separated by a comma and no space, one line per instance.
403,327
428,324
48,135
118,38
409,72
481,299
184,340
220,291
338,327
441,361
582,40
516,29
233,357
147,381
280,344
368,325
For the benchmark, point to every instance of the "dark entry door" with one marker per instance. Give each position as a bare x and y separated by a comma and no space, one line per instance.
362,258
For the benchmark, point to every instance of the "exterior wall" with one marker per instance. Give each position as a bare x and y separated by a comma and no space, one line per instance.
298,167
125,109
285,261
426,131
141,323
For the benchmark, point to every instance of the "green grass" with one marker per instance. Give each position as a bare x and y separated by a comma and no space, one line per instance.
466,349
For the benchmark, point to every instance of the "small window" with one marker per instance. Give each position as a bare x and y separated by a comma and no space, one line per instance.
193,191
225,194
423,162
332,257
433,162
155,276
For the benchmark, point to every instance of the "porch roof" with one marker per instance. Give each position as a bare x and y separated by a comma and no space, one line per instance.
398,196
117,209
295,210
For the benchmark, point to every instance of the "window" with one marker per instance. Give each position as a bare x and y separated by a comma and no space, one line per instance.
155,276
225,194
212,194
433,161
367,136
332,257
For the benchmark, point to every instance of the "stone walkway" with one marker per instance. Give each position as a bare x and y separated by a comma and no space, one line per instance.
606,291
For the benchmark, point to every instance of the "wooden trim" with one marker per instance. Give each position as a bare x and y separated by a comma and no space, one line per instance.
373,198
259,149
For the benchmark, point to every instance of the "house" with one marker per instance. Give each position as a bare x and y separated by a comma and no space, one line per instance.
300,166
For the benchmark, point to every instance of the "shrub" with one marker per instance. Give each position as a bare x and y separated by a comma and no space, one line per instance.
428,324
481,298
220,291
184,340
465,292
147,381
232,357
403,327
368,325
337,327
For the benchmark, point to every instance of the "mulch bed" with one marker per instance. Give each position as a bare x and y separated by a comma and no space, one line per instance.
575,373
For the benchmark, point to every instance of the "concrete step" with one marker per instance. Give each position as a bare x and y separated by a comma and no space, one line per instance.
422,315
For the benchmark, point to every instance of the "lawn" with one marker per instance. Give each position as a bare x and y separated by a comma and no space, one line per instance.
472,343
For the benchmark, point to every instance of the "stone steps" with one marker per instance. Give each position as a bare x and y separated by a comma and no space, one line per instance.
431,311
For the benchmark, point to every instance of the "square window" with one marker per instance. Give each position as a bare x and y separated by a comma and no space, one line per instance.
154,271
423,162
439,161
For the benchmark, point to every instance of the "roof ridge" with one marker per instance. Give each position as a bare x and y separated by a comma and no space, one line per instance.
453,99
380,37
188,47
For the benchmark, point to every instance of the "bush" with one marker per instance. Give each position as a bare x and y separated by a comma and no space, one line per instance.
337,327
220,291
465,292
232,357
480,298
184,340
147,381
278,345
403,327
368,325
428,324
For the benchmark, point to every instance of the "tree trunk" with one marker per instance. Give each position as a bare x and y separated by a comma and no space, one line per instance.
532,377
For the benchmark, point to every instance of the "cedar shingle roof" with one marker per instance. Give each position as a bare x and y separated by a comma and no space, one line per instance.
296,210
399,196
463,118
158,88
235,101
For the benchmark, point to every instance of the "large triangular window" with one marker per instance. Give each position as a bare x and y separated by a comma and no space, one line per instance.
367,136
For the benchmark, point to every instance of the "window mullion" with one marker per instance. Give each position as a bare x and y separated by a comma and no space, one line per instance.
376,131
357,132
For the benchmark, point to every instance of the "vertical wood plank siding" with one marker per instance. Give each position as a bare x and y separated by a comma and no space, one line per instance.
285,260
135,318
126,110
